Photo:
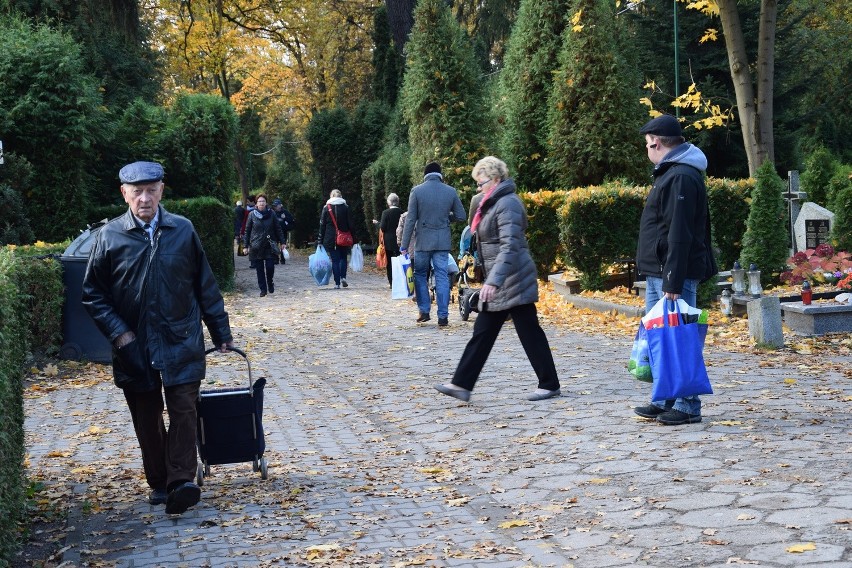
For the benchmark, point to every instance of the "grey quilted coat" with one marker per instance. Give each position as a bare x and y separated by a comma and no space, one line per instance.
504,251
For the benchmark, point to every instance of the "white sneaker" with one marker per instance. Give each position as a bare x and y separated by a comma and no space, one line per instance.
344,282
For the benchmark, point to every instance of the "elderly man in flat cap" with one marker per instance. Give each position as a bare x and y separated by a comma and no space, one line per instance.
148,286
674,252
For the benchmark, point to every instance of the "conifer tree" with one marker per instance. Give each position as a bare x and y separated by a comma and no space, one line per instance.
594,113
442,97
525,86
765,242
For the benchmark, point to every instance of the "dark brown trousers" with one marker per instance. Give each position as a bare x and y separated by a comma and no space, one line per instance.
168,455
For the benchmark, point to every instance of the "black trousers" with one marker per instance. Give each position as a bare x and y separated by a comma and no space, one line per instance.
265,268
168,456
485,331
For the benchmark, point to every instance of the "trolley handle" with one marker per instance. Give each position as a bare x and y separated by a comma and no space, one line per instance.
236,350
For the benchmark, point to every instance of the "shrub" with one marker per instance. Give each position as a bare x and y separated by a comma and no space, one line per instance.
819,168
841,232
766,242
729,208
598,226
13,345
842,179
543,230
821,265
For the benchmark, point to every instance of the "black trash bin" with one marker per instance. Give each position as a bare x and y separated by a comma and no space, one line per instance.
81,338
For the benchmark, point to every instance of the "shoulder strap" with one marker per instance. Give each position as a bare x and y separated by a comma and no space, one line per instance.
331,212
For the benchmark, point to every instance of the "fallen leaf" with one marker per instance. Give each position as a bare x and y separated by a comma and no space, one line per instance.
514,523
799,548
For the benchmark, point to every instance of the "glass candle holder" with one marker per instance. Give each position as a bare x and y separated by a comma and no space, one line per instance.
725,302
754,286
738,274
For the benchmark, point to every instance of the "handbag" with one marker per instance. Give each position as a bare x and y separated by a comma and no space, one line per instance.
381,253
676,358
344,238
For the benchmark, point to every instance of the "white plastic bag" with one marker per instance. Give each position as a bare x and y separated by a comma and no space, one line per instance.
654,318
452,266
356,258
319,264
285,253
402,276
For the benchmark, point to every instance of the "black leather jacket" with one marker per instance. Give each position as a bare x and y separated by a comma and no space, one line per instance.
160,291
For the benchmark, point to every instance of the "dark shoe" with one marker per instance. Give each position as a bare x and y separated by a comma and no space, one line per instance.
650,411
262,294
544,395
182,498
457,392
158,497
271,288
423,318
676,418
443,322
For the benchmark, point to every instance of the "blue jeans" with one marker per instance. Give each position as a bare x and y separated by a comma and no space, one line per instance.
338,264
438,260
689,293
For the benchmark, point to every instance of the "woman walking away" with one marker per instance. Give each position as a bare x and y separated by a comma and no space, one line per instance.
510,288
264,239
335,216
389,224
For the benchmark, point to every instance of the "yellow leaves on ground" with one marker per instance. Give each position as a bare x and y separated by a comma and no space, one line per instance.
727,423
514,523
799,548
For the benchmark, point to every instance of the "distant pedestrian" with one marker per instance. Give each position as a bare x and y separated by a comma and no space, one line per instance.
674,251
148,286
264,241
432,206
239,216
335,215
510,288
389,224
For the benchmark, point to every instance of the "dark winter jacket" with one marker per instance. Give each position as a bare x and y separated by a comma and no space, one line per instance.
503,248
161,292
263,234
389,224
327,235
674,231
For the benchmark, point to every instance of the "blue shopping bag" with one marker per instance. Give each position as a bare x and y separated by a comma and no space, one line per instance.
676,359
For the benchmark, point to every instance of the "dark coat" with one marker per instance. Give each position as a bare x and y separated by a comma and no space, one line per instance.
327,235
674,230
262,230
389,224
502,246
161,292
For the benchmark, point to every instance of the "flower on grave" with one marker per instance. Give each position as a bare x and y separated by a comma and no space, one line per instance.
846,282
820,266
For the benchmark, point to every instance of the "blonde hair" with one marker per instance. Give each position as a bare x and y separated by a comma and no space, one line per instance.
336,193
492,167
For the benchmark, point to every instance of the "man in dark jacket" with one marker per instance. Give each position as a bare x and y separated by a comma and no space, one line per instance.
148,286
674,251
432,206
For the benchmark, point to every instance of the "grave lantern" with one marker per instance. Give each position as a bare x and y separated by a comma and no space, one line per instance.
738,274
754,287
725,302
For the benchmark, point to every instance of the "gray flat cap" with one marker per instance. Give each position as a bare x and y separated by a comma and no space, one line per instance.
141,172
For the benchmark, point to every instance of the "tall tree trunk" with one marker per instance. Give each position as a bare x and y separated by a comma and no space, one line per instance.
755,112
401,20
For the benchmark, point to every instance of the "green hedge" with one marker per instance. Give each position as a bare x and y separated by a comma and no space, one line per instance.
13,334
543,230
600,225
729,205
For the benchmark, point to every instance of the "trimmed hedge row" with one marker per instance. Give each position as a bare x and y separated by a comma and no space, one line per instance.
590,228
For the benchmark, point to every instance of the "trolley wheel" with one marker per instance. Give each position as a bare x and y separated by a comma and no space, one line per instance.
199,475
264,468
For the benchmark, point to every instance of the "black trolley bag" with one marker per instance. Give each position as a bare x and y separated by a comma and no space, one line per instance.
229,425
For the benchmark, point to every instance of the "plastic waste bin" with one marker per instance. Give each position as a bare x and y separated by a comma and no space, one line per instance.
81,338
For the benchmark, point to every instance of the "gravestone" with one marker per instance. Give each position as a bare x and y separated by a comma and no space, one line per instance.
794,199
813,226
764,321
